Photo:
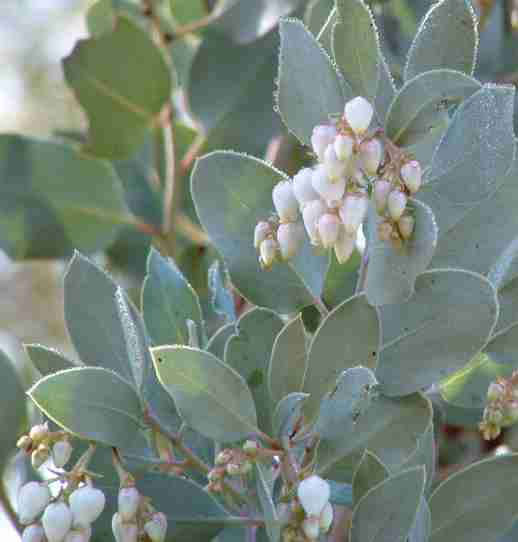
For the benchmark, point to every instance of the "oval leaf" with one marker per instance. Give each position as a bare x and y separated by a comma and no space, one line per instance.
47,360
271,520
287,414
369,473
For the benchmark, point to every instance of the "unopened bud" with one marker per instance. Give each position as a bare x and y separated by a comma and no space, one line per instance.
24,443
344,246
353,211
343,146
245,467
290,237
412,176
86,504
371,153
321,137
251,447
311,215
381,191
328,189
32,500
358,114
396,204
261,232
495,391
268,253
57,521
385,231
124,532
328,229
335,168
311,528
39,432
33,533
511,412
313,493
285,201
156,529
223,457
326,518
40,455
61,453
303,187
494,416
128,502
406,225
233,469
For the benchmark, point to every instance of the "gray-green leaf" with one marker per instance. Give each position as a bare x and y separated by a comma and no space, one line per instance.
287,413
47,360
369,473
222,299
272,524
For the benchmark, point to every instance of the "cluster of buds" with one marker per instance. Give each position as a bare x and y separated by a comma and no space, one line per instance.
501,408
67,518
354,165
136,520
41,444
311,514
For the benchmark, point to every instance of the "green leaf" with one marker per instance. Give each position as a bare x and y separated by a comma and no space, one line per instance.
424,455
211,397
218,341
389,428
101,18
225,113
222,298
55,200
272,523
348,336
355,45
248,353
123,103
92,403
476,504
186,11
316,14
474,155
12,409
288,360
422,527
168,301
47,360
369,473
420,104
392,271
387,512
349,399
232,192
448,321
287,413
447,38
309,90
341,279
503,346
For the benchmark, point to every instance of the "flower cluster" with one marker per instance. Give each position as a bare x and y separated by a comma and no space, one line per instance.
311,514
355,164
42,444
136,519
502,406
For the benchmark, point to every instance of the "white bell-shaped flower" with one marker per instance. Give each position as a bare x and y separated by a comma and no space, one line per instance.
311,528
61,453
285,202
322,136
124,532
495,391
335,168
328,229
33,498
371,154
57,521
86,504
311,215
344,246
303,187
412,176
326,518
329,190
380,193
343,145
406,225
33,533
290,237
396,204
353,211
82,535
156,528
128,502
358,114
313,493
262,230
268,252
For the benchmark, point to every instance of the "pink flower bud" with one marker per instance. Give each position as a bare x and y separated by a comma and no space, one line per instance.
371,153
328,189
303,187
61,453
156,529
86,504
57,521
262,230
412,176
406,225
321,137
353,211
311,528
343,146
313,493
335,168
39,456
381,191
24,443
128,503
39,432
358,114
33,533
290,237
268,252
396,204
311,215
328,229
495,391
124,532
326,518
285,201
344,247
32,500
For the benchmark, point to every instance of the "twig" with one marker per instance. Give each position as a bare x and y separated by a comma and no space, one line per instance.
193,26
192,153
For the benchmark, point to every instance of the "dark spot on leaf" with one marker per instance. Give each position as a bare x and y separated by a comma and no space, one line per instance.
255,379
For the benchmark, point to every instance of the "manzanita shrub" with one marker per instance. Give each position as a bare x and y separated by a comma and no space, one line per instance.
380,279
